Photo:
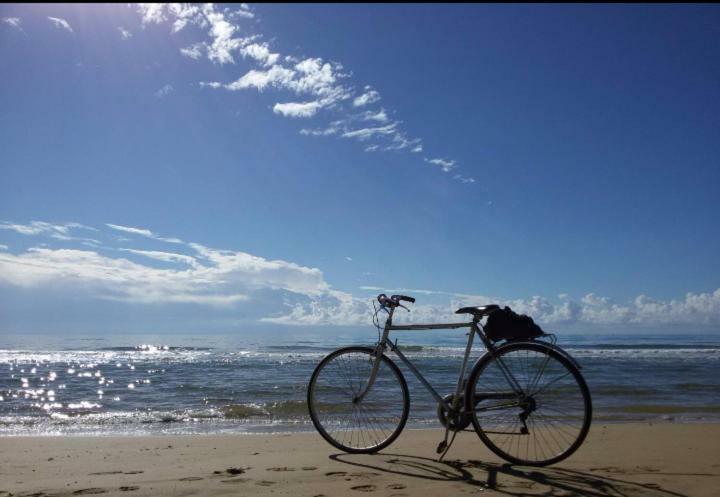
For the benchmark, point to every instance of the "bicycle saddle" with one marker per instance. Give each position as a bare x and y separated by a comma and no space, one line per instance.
479,311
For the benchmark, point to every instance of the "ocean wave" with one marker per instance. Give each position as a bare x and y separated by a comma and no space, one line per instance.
152,348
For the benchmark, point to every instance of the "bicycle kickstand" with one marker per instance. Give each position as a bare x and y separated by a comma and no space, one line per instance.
443,447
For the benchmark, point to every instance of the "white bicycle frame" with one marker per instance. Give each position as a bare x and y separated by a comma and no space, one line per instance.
475,327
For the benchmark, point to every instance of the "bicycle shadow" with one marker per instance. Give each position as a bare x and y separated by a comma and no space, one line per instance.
518,481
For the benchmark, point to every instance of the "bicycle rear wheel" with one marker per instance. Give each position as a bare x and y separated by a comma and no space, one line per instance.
364,426
543,425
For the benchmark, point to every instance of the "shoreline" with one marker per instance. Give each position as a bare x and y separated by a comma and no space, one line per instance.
630,459
211,428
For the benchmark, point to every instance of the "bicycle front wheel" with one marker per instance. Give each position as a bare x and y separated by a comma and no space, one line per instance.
363,426
543,424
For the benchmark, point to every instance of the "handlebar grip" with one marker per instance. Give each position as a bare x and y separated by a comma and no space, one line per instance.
404,297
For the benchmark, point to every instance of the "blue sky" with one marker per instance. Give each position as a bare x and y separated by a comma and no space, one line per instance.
199,168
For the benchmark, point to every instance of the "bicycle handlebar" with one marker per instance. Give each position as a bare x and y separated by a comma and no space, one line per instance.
394,300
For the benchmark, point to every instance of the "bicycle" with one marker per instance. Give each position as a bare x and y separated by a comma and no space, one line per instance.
525,398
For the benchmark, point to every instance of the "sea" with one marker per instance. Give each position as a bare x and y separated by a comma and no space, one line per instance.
251,383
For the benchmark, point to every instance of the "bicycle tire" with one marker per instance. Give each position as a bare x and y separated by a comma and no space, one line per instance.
367,426
558,407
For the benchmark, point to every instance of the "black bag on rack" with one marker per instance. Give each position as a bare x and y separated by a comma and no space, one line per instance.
505,324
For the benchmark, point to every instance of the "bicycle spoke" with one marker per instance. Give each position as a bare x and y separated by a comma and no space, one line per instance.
555,405
361,425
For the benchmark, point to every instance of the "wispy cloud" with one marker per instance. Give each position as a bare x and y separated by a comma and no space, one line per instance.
204,276
447,165
164,91
297,109
14,22
195,273
124,33
42,227
366,133
193,51
323,86
464,179
369,97
142,232
163,256
61,24
379,116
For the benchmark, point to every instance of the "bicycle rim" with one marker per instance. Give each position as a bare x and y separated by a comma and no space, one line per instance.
545,426
358,427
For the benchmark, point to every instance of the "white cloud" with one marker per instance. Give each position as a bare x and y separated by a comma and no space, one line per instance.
61,24
347,258
694,309
128,229
464,179
260,52
245,11
163,256
184,13
379,116
13,22
311,76
332,308
221,31
210,84
277,76
333,129
370,96
41,227
366,133
193,51
208,276
447,165
142,232
152,13
297,109
401,142
164,91
124,33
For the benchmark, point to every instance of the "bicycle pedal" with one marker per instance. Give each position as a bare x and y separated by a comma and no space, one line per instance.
441,447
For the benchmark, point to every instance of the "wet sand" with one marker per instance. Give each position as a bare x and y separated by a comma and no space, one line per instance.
616,460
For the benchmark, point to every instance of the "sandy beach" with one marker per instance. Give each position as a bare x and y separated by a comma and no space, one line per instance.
627,460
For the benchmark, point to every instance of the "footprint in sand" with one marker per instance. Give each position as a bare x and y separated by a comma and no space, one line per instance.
364,488
309,468
236,480
608,469
396,486
280,468
105,473
366,474
90,491
336,473
235,471
136,472
191,478
264,483
130,488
